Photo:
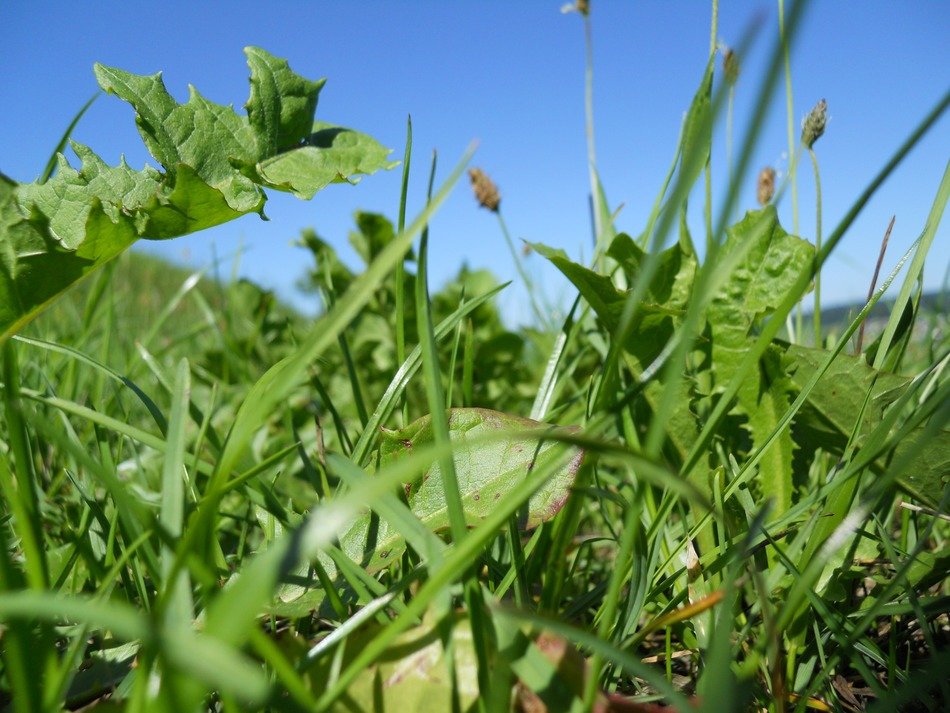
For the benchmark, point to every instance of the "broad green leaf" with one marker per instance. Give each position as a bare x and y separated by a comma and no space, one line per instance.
664,302
282,103
656,318
771,403
827,419
190,206
413,674
330,272
486,474
208,137
374,233
65,198
213,165
672,282
332,154
35,266
766,271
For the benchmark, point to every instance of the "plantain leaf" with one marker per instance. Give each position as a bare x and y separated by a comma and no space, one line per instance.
549,673
413,674
486,473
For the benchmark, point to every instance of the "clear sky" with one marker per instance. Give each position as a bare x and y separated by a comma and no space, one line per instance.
510,74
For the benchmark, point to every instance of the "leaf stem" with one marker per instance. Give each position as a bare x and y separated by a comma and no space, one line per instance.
707,170
790,115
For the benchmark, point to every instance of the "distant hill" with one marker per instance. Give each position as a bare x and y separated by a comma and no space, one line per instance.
835,319
130,293
841,316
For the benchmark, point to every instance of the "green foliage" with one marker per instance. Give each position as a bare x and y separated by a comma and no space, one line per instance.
486,470
763,261
232,506
215,164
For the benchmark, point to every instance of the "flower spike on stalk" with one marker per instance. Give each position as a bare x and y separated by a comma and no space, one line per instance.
765,188
486,192
730,64
813,126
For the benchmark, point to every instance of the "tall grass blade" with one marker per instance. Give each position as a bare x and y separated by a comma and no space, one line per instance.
274,386
916,266
179,604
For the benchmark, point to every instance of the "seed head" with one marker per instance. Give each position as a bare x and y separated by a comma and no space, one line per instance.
486,192
730,65
766,185
813,126
581,6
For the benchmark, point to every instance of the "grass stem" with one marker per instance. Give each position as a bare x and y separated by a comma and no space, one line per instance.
816,312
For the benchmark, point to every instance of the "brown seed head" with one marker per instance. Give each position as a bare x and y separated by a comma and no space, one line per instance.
813,125
486,192
730,65
766,185
582,6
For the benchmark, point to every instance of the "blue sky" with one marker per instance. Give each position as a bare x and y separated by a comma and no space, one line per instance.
510,74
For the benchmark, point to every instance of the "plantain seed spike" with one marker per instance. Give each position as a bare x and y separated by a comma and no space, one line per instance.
814,124
486,192
766,185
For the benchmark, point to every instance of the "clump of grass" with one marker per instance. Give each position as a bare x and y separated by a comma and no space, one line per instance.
231,507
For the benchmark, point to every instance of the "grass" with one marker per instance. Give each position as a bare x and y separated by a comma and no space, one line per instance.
214,503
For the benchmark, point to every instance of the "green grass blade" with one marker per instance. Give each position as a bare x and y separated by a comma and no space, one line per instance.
400,275
457,561
113,424
542,401
272,388
23,670
79,356
435,397
179,604
433,382
20,487
64,139
408,369
771,328
123,620
916,266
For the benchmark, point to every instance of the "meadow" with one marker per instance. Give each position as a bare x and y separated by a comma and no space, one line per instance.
682,494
